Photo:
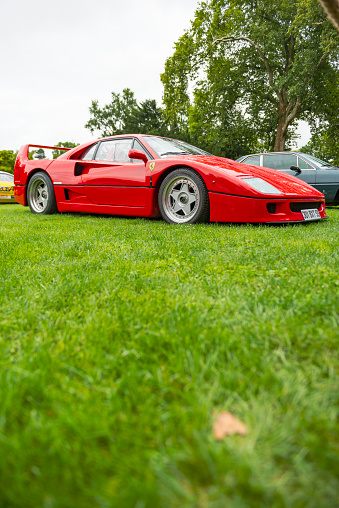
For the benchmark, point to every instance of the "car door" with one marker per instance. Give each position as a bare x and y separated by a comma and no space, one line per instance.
283,162
327,182
112,178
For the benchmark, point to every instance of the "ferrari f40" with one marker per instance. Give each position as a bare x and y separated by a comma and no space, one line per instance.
151,176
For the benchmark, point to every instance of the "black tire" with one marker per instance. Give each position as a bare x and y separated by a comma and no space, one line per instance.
40,194
183,198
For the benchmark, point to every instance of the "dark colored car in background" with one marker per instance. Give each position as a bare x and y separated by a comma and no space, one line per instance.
320,174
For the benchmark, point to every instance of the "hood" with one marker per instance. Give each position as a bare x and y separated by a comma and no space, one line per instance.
288,184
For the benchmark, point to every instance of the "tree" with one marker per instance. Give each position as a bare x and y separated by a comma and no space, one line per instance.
66,144
124,115
148,118
7,160
324,146
218,127
260,60
39,153
324,122
114,117
324,142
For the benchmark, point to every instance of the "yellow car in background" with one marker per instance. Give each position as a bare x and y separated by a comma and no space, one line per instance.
6,187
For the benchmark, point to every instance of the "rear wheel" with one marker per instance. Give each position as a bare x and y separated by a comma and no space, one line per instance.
183,198
40,194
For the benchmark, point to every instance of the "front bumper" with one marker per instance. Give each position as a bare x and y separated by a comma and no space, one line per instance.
228,208
7,199
281,223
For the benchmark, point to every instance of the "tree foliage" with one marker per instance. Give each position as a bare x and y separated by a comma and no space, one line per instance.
251,68
324,146
124,115
7,160
324,142
65,144
39,154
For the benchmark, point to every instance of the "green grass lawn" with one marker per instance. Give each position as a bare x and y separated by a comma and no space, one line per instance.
122,338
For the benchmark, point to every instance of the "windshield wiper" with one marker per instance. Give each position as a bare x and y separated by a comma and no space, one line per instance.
175,153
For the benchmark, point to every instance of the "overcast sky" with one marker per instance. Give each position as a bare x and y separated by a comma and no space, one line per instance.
56,57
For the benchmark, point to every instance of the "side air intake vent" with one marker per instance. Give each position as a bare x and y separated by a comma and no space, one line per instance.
78,169
272,207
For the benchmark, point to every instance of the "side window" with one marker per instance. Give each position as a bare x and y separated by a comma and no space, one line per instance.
280,161
255,160
138,146
122,147
105,151
115,150
88,155
303,164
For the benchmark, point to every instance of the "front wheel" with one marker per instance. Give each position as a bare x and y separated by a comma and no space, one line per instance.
183,198
40,194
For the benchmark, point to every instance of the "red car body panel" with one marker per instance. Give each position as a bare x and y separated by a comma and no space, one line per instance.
132,188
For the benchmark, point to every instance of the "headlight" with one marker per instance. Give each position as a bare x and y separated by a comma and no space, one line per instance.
261,186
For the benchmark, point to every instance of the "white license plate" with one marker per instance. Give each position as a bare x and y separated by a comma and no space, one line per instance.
311,214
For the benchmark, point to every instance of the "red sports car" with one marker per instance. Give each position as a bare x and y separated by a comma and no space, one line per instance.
148,176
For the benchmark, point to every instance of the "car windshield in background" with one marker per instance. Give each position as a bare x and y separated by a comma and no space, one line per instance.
5,177
165,147
317,161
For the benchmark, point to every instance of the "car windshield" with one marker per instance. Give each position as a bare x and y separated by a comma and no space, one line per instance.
5,177
317,161
165,147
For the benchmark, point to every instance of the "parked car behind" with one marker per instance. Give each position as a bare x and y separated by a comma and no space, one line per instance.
6,187
320,174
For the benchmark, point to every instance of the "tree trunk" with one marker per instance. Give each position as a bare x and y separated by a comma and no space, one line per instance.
287,112
331,8
279,145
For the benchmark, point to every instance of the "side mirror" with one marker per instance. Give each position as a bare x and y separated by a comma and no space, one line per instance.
138,154
295,168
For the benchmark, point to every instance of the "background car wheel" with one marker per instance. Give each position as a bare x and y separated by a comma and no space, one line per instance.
183,198
40,194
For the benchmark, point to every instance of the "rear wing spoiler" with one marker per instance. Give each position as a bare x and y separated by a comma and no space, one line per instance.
22,158
52,147
45,146
24,150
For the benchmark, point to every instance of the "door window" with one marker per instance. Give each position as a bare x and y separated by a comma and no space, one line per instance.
255,160
303,164
138,146
115,150
281,162
88,155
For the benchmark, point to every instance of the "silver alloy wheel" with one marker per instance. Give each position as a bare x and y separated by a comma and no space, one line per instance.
180,199
38,195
